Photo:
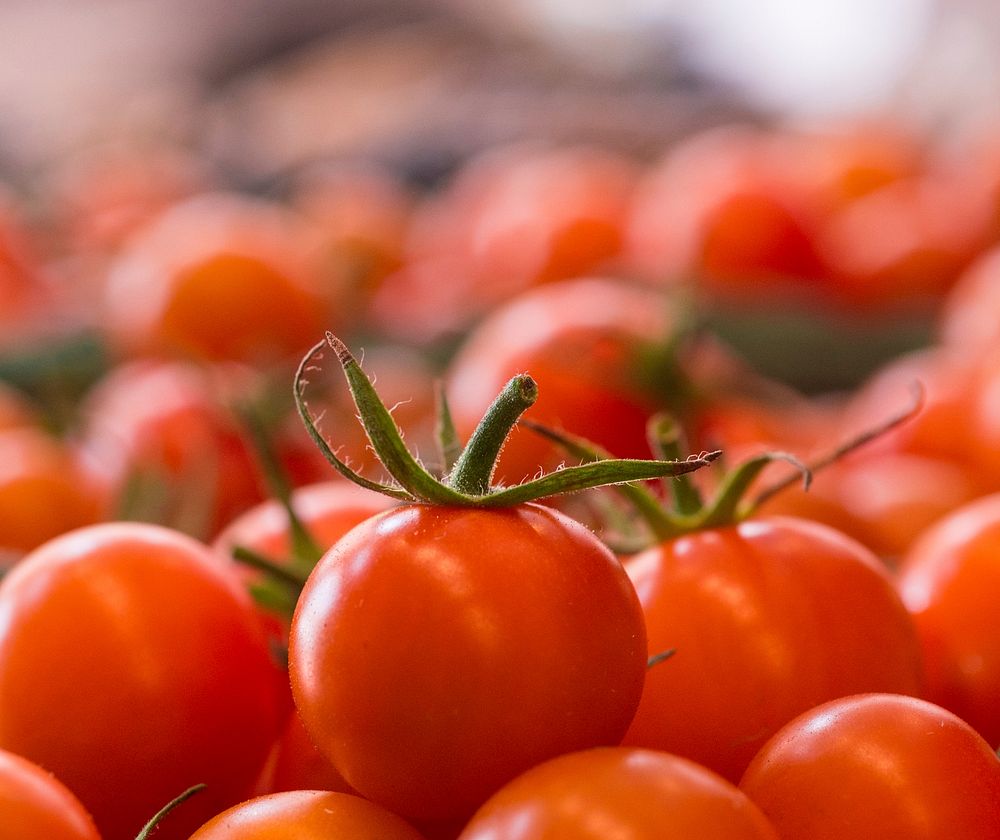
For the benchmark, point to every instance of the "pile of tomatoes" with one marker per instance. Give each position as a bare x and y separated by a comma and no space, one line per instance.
193,595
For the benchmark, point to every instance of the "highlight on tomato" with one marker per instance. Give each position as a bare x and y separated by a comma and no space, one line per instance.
877,765
132,666
34,805
618,792
443,647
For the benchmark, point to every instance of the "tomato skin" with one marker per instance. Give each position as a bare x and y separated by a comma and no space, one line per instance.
438,652
618,792
306,815
768,617
132,666
950,581
878,765
34,805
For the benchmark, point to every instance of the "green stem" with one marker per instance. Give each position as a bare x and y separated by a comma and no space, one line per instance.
474,468
657,658
449,447
726,508
666,439
385,437
151,826
256,560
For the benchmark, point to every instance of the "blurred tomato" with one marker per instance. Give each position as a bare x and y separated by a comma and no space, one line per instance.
44,490
219,277
34,805
599,352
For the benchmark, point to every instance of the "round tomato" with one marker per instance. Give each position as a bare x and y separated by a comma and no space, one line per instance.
306,815
768,618
34,805
618,792
437,652
878,765
132,666
950,582
595,348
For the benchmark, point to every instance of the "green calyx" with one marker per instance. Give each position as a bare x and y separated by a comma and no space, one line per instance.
468,470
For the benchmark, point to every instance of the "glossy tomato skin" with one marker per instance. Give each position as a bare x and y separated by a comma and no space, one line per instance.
768,618
438,652
132,666
34,805
306,815
878,765
618,792
950,581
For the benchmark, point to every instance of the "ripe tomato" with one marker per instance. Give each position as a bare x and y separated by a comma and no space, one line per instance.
219,278
437,652
44,491
950,582
298,765
34,805
768,617
718,207
618,792
306,815
878,765
969,318
131,665
592,345
162,431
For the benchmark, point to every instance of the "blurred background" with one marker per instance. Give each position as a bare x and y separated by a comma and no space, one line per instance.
262,86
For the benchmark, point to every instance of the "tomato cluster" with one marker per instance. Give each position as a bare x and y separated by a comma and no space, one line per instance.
579,599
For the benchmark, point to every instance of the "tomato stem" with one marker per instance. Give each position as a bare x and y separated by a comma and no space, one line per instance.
286,574
666,439
151,826
474,469
449,446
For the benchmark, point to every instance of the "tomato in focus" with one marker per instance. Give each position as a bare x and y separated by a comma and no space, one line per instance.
131,666
618,792
437,652
768,618
878,765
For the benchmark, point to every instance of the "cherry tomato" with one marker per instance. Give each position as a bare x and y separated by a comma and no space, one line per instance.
950,581
618,792
438,652
878,765
718,207
162,431
768,618
34,805
44,490
592,345
219,278
306,815
969,318
297,764
132,666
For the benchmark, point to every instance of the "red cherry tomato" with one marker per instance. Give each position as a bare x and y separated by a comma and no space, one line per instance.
950,581
617,792
131,665
592,345
878,765
44,491
34,805
768,618
307,815
219,278
438,652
